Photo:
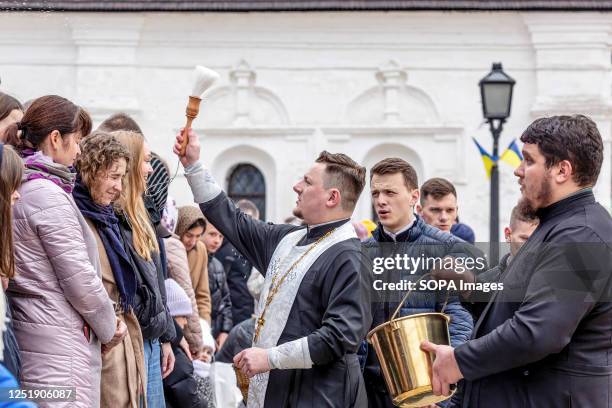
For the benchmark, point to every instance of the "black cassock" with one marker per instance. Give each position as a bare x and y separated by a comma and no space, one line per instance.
331,309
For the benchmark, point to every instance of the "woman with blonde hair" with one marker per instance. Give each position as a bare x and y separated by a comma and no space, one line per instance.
101,169
150,302
61,312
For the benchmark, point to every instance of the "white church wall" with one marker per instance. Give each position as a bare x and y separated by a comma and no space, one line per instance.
292,84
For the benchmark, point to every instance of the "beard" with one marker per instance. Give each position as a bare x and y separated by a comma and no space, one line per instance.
298,213
529,207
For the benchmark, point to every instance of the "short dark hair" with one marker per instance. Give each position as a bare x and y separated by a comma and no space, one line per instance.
200,222
392,165
574,138
248,205
519,215
437,187
120,121
344,174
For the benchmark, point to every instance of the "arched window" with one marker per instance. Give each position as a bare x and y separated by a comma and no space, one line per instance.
246,181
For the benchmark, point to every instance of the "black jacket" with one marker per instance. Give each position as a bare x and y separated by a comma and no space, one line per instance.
544,341
153,316
220,301
478,300
237,270
240,338
180,386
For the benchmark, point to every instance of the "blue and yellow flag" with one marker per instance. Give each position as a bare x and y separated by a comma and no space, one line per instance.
487,159
512,155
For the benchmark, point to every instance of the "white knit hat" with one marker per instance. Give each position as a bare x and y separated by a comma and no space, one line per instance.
178,301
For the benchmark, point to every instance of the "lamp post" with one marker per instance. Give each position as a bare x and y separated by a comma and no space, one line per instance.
496,93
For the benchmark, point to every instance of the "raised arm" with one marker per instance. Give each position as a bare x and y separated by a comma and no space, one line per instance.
256,240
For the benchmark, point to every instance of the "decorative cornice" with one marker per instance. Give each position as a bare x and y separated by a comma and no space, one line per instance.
311,5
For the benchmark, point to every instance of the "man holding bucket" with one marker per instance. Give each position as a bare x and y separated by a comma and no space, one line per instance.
545,340
395,192
314,309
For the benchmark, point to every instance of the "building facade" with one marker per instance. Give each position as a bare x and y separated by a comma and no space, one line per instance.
371,84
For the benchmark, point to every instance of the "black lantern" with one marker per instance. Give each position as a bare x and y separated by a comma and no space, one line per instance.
496,93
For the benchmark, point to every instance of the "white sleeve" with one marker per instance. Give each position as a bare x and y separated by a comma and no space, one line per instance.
291,355
203,185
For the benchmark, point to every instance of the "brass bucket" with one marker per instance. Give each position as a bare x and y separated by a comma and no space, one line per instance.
405,367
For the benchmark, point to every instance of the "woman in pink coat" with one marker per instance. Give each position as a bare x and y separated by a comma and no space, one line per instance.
61,312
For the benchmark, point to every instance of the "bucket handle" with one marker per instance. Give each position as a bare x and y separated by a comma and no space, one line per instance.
410,291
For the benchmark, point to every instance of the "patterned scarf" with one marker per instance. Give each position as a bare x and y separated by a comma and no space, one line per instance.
39,166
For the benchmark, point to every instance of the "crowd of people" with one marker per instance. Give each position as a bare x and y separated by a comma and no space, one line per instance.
116,291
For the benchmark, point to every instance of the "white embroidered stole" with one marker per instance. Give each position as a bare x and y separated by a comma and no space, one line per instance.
285,254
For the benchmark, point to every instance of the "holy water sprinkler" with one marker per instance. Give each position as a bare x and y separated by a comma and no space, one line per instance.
203,79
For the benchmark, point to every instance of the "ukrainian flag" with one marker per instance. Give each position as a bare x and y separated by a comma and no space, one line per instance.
512,155
487,159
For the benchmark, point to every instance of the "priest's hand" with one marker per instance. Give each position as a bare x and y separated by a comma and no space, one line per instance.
445,370
192,152
252,361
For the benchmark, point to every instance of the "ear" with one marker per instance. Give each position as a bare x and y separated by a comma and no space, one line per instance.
419,209
55,140
507,233
334,198
414,197
564,171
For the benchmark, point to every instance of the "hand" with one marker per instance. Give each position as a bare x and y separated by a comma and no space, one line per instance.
168,359
120,333
221,340
252,361
185,346
445,370
192,152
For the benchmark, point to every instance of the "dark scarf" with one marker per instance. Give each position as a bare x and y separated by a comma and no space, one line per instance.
107,225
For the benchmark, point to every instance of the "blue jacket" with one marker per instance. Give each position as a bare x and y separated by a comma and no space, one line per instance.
8,382
419,239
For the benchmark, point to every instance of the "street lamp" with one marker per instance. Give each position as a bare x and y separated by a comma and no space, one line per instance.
496,93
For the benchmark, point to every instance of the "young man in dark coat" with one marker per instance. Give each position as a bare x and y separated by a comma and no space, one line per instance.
220,301
544,341
315,305
395,191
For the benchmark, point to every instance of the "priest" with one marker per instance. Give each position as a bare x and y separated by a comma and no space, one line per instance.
314,309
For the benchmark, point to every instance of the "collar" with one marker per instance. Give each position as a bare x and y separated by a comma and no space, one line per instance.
409,234
575,200
394,235
315,232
